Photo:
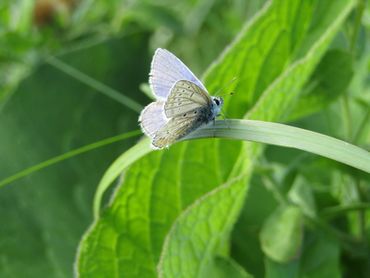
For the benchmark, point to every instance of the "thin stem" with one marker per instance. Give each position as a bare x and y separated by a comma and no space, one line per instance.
59,158
348,242
100,87
95,40
361,213
361,127
336,211
87,43
271,186
356,29
347,116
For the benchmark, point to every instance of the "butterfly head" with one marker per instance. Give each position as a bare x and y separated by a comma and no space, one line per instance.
217,102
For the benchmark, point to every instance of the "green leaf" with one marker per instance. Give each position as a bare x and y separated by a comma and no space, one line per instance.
121,163
45,214
272,57
301,195
227,267
153,16
329,80
50,114
321,258
14,73
206,226
282,234
260,54
144,211
22,21
281,270
245,248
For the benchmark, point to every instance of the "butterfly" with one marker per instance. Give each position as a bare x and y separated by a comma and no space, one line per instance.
182,101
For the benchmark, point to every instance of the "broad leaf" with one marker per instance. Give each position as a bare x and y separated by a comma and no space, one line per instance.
321,258
227,267
301,195
282,234
271,106
329,80
45,213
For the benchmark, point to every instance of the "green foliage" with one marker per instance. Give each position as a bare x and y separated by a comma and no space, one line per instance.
282,233
202,208
321,90
226,267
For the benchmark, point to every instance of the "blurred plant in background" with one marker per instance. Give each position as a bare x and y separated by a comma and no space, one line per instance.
32,29
70,75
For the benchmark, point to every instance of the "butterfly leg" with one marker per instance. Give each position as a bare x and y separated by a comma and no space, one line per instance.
225,119
214,129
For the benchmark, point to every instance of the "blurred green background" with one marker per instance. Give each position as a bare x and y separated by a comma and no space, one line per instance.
48,110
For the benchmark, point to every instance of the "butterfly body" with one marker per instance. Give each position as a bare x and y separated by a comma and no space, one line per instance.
183,104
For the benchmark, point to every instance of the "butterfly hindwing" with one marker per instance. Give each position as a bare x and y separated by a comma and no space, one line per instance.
186,97
186,108
175,129
166,70
152,118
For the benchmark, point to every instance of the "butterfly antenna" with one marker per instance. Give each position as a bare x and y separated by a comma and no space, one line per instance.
226,94
226,85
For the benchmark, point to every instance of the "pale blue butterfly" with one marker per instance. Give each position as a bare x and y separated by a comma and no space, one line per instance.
183,103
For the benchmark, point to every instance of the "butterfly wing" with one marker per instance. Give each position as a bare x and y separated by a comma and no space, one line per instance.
186,97
175,129
187,108
152,118
166,70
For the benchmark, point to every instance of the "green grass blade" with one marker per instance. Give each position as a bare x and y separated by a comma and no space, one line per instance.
255,131
288,136
100,87
59,158
120,164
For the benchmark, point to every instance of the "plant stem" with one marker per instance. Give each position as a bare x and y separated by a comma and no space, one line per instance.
347,117
361,127
361,213
349,243
336,211
271,186
356,28
100,87
59,158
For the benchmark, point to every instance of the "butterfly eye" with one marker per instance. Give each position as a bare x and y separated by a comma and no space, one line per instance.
217,102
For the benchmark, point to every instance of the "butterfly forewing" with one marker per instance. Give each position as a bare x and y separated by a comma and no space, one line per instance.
165,71
186,97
